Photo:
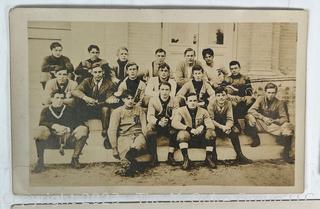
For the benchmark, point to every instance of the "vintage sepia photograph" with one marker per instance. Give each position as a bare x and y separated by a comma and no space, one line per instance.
157,98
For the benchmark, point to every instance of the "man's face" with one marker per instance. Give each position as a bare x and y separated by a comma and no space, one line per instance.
62,76
97,73
132,72
57,51
164,73
190,56
221,97
164,91
192,102
271,94
57,100
123,55
235,69
94,54
197,75
160,57
208,58
128,101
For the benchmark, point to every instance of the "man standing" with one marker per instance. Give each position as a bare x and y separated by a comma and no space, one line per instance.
220,111
239,91
195,129
159,118
183,71
268,114
198,86
62,84
214,75
152,88
127,134
96,99
59,126
54,60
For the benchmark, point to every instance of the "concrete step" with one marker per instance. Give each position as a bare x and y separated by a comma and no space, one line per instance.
93,154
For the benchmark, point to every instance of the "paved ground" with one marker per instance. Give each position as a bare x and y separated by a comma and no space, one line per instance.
260,173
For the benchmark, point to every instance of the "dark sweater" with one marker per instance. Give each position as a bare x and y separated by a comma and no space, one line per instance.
68,117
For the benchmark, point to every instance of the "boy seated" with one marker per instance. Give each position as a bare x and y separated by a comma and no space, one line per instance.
198,85
133,84
95,99
54,60
59,126
159,118
268,114
163,73
220,111
195,129
61,83
127,134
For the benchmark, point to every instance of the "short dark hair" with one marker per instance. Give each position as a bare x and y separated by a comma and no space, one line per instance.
164,83
57,91
220,89
196,68
189,50
234,62
92,46
164,65
160,50
207,51
191,94
131,64
54,45
126,94
122,48
271,86
59,68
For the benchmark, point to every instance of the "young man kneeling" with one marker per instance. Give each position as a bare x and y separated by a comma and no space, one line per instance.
127,134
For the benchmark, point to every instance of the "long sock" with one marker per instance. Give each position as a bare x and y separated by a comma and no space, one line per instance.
79,146
235,142
40,145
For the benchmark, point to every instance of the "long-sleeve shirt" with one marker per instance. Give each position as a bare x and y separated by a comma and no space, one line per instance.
183,118
152,88
124,121
86,88
50,62
158,109
274,110
63,115
138,90
221,114
84,67
183,72
205,91
240,83
67,88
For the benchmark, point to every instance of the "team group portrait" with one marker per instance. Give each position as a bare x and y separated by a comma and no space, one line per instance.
162,103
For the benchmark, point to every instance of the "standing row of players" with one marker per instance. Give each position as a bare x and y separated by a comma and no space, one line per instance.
192,107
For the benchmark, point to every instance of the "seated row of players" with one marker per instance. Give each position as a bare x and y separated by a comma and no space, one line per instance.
97,95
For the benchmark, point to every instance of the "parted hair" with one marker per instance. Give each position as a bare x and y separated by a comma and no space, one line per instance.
271,86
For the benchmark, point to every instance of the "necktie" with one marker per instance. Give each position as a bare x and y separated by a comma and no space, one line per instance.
95,91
